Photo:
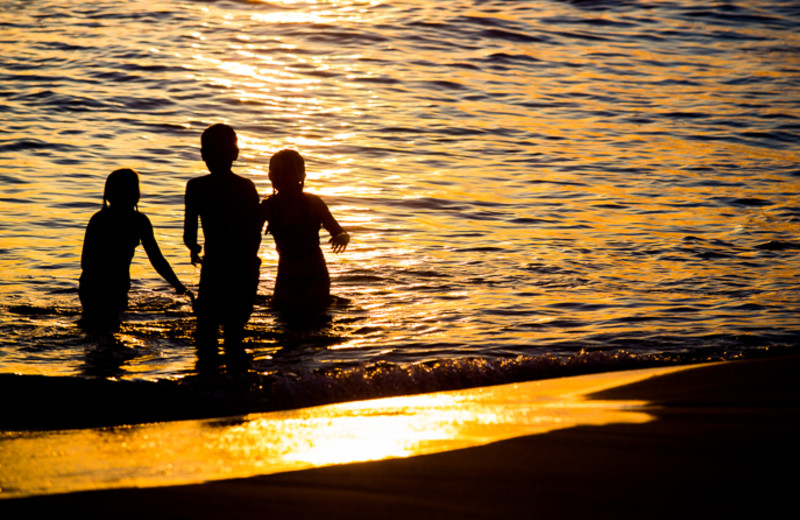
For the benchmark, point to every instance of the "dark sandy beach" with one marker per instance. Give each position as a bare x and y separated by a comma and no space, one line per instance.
724,445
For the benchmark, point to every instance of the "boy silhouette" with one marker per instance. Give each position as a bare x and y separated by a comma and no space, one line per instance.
227,205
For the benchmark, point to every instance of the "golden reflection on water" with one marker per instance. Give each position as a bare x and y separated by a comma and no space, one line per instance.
543,136
178,452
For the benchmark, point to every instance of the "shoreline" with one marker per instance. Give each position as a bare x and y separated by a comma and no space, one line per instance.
722,437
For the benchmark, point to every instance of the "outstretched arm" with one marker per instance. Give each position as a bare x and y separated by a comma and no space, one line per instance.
157,258
339,237
190,226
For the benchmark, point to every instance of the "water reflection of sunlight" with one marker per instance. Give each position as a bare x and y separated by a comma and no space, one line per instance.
192,451
362,436
313,11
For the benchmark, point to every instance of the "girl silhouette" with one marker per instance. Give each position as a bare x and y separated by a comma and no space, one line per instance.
294,219
108,247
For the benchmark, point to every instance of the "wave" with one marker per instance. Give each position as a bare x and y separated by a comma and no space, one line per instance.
45,402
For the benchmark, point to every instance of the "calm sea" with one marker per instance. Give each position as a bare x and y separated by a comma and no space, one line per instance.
533,189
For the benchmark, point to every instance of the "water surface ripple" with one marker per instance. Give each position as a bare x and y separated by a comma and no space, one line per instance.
529,185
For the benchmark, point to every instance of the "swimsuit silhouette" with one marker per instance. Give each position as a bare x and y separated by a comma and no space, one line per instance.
227,206
294,219
112,235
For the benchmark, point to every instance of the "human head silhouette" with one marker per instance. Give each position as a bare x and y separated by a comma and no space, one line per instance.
218,146
122,189
287,171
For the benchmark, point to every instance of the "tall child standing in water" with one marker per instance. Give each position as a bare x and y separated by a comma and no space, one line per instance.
227,206
108,247
294,219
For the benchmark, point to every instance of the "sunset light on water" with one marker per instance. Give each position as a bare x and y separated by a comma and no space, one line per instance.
532,190
196,451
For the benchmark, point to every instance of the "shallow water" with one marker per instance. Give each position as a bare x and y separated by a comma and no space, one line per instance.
187,452
532,188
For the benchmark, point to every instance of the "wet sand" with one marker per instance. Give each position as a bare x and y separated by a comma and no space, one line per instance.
724,444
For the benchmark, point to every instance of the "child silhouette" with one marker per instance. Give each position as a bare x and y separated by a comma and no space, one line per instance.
108,247
227,206
294,219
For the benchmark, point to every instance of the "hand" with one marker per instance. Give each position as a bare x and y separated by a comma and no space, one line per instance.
196,259
339,242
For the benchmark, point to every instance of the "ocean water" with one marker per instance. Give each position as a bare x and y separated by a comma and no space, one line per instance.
533,189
